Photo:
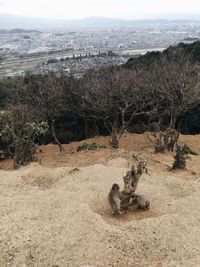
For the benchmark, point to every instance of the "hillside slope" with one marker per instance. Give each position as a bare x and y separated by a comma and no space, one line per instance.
147,60
52,215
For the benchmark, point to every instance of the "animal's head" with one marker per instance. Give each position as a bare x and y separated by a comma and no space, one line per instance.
115,187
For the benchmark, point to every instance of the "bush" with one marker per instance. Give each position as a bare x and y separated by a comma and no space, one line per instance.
180,157
18,136
93,146
164,140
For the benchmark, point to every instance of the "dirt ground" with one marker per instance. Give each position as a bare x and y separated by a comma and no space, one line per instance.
56,213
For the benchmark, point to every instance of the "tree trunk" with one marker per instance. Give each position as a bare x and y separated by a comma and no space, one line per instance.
55,137
131,180
16,150
15,159
173,119
114,142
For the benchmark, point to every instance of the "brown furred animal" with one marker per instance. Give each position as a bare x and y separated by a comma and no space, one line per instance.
114,199
138,202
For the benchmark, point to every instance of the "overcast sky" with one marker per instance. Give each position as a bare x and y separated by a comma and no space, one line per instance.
125,9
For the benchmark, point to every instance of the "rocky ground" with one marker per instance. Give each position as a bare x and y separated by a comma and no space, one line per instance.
56,213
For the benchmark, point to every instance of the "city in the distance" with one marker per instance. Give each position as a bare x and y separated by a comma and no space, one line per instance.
38,45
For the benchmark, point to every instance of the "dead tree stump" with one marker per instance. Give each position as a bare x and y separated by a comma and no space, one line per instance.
130,200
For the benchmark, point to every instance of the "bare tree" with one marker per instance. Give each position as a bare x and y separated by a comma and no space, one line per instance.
175,84
45,95
116,96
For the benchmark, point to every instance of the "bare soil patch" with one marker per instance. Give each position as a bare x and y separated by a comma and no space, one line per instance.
70,222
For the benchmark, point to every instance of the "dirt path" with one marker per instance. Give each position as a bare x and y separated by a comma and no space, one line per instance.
55,217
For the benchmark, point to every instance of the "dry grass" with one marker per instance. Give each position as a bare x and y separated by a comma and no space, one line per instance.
54,215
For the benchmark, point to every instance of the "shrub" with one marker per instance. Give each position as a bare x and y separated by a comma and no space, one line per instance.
180,157
93,146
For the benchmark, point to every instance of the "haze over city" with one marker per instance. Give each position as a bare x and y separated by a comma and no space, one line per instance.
123,9
38,35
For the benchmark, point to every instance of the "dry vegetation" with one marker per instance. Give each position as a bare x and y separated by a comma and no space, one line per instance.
57,214
103,101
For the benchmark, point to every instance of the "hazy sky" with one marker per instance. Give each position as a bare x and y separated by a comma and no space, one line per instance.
126,9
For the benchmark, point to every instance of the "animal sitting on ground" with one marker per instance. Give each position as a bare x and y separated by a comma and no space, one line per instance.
114,198
138,202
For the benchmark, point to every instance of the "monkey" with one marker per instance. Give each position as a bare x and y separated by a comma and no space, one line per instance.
138,202
114,199
126,201
133,202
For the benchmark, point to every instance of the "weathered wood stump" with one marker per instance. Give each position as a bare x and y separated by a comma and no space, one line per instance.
131,200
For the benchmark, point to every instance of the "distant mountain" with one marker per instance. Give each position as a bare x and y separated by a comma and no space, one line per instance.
3,31
8,21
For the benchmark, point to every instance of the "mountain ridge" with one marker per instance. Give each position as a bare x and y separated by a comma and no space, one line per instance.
8,21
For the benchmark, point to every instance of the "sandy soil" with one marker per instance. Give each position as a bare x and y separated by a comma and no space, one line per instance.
54,215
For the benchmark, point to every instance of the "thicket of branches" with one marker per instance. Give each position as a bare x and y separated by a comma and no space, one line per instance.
108,98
